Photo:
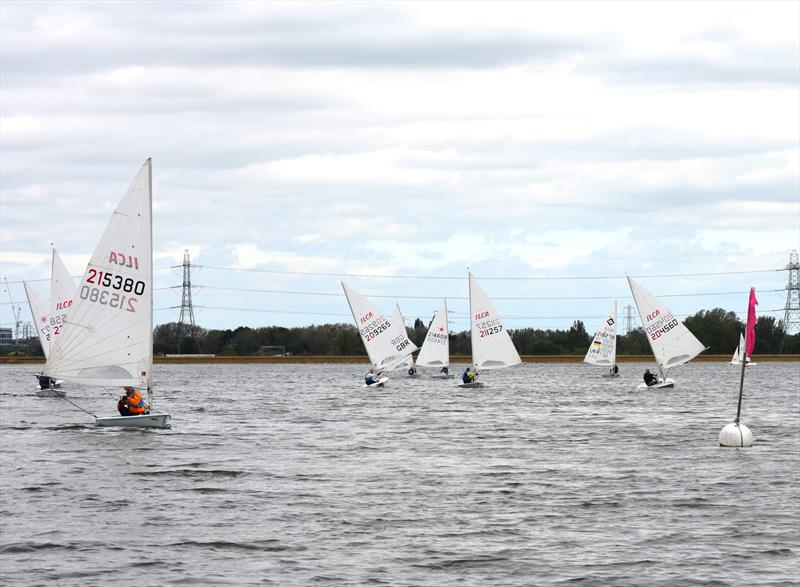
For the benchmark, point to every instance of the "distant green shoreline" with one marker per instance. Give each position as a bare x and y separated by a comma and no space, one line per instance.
454,360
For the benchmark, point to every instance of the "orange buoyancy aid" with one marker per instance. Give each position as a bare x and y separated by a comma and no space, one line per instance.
136,402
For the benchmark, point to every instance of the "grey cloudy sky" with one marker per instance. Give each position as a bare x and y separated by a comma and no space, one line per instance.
557,140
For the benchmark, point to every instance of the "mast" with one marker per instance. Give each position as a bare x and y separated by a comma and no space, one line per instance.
447,328
741,387
749,330
471,328
150,344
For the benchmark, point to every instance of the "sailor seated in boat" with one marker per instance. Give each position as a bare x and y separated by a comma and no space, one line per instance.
444,370
649,378
46,382
370,377
412,370
614,370
468,376
132,403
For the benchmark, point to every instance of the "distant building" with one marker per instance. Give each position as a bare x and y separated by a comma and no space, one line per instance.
6,338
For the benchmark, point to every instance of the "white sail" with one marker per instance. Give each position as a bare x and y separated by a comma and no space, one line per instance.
436,347
62,292
41,316
108,336
672,343
387,344
492,347
737,355
397,318
603,350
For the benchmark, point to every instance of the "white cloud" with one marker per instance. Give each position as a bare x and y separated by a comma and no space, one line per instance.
403,138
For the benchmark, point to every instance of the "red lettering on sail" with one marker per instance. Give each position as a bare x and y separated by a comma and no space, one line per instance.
652,316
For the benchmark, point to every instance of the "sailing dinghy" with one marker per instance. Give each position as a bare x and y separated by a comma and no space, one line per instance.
386,341
737,355
603,350
672,343
409,367
50,318
435,351
492,347
107,339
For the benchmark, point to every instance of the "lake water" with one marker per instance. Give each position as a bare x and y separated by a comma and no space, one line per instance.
295,475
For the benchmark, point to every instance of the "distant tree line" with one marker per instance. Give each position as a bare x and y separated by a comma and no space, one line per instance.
718,329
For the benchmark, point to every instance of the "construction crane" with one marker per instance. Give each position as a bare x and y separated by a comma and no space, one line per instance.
17,311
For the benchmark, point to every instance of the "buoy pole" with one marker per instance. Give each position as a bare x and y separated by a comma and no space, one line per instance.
741,386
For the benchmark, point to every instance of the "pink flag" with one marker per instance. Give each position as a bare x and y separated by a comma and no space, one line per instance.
750,333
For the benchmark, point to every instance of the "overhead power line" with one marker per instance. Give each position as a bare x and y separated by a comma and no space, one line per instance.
461,277
518,298
483,277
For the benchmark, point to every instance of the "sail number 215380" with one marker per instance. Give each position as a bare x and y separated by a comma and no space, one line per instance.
112,299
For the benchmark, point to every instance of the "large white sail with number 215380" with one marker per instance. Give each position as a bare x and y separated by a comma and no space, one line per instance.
108,336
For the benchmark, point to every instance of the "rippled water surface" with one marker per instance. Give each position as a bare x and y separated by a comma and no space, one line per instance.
297,475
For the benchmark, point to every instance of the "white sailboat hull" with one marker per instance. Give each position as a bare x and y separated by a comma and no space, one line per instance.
666,383
610,375
442,376
143,421
474,384
52,392
379,383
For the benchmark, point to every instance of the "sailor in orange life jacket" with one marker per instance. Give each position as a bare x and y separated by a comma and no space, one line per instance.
132,403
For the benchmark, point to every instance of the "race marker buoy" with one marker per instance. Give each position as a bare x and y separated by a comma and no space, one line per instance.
735,435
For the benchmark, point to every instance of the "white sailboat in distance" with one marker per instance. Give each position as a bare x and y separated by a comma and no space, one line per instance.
492,347
435,351
603,350
737,355
108,336
50,317
408,366
386,342
672,343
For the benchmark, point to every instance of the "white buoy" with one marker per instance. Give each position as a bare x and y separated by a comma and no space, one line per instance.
735,434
